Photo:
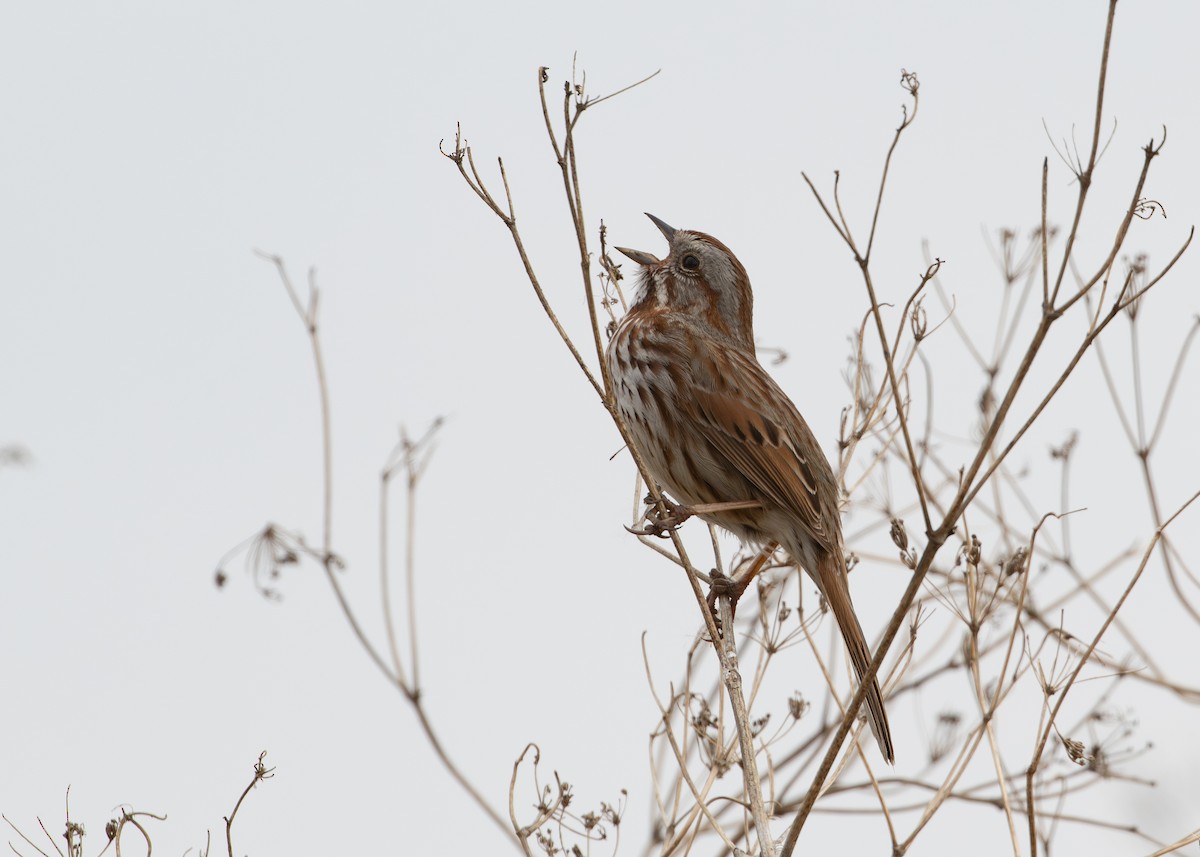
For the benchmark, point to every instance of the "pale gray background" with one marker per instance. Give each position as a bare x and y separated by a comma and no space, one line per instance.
155,371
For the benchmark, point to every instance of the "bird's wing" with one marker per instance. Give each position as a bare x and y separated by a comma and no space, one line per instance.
746,416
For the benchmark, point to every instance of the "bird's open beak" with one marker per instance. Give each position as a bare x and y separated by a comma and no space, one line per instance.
667,231
641,256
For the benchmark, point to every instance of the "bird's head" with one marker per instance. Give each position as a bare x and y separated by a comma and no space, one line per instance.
700,277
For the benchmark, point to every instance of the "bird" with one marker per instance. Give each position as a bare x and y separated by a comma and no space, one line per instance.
712,426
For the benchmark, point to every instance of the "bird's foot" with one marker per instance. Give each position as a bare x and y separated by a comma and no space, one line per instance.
720,585
734,587
661,519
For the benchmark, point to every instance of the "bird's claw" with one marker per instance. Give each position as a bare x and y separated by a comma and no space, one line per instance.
718,586
661,519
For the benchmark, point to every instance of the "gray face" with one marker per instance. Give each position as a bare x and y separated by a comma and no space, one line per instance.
699,277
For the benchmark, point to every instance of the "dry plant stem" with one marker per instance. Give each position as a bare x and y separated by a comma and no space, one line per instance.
680,759
856,749
509,219
987,709
546,811
1085,175
1052,312
741,718
570,176
29,841
944,791
864,263
544,814
1027,362
399,675
569,165
1045,233
1035,761
991,707
876,411
997,763
682,827
128,818
1137,440
1175,846
1086,585
1142,448
410,457
1169,394
261,772
453,770
309,317
688,828
412,692
864,266
965,796
410,530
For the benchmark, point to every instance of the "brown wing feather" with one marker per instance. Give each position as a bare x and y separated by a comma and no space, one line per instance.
760,431
763,435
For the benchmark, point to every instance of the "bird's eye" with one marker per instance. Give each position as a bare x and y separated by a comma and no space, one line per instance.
691,262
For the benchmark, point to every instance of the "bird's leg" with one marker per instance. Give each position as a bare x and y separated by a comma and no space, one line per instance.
735,587
660,523
719,585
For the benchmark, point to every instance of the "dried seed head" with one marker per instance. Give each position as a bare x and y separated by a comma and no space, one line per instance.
974,550
703,720
1063,452
1016,563
798,706
945,733
613,813
757,725
1075,751
1099,763
987,400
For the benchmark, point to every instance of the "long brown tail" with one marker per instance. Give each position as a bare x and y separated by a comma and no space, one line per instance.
836,588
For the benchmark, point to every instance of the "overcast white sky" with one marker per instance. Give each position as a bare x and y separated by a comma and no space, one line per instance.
153,368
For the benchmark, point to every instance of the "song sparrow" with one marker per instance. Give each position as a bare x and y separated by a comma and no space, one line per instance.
714,427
